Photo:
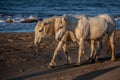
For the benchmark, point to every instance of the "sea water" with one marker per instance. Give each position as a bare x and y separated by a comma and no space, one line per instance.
40,9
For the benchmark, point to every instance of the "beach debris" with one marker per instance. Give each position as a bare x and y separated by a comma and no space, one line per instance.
10,40
21,70
29,20
9,20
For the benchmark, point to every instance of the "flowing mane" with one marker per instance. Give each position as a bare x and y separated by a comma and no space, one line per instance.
49,27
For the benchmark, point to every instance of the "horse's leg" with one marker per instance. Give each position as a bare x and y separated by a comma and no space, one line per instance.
66,54
99,46
92,48
52,63
85,55
109,47
93,52
81,48
112,43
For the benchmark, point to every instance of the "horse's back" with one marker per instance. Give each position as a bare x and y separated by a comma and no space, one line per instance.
108,18
98,27
110,21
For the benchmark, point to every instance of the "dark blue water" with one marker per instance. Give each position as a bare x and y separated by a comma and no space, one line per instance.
22,9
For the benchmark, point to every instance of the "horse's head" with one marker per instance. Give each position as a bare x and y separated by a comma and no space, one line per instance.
38,33
60,27
41,29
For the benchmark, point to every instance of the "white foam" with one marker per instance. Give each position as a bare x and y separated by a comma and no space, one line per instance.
117,18
22,19
31,17
17,21
2,21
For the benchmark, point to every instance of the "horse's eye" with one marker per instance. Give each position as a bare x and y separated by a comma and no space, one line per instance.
61,26
41,30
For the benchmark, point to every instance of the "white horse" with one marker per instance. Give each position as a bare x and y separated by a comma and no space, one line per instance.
111,29
50,26
90,28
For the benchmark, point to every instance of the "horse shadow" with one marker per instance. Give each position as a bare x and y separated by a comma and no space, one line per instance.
92,75
45,72
67,67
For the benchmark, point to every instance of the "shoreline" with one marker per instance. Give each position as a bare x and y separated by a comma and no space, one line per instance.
33,31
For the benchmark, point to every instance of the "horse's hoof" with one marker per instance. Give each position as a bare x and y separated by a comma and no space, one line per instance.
96,61
51,65
91,60
68,64
77,65
113,59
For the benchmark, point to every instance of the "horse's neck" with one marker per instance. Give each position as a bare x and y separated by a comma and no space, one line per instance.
71,28
72,24
50,30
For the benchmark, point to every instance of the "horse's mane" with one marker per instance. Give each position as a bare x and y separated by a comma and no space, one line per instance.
49,28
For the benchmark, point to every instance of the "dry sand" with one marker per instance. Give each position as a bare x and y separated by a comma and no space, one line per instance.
21,60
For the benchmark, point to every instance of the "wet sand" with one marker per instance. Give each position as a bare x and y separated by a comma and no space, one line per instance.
20,59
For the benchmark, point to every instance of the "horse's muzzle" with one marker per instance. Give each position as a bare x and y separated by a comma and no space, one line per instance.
59,38
37,43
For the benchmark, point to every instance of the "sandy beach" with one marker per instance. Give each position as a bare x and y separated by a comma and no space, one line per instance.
20,59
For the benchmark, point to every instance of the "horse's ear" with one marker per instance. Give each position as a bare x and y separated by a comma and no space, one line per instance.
64,15
39,21
42,23
64,18
55,18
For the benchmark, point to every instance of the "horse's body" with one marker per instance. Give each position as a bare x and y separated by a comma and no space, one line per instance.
108,29
92,29
49,27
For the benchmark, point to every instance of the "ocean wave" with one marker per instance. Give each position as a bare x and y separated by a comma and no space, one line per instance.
27,24
29,19
117,18
2,21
